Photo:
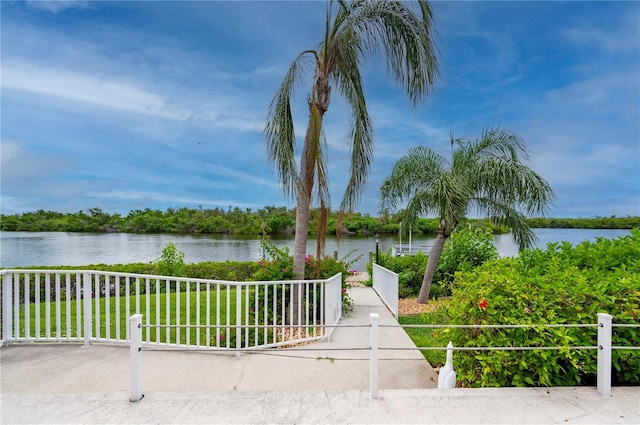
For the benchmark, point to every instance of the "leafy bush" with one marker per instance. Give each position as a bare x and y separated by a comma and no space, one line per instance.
410,271
562,284
465,249
226,270
171,262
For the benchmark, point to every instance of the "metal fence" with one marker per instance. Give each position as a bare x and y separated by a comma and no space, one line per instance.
94,306
603,345
385,283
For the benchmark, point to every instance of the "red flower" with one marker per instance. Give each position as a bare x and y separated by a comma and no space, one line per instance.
483,304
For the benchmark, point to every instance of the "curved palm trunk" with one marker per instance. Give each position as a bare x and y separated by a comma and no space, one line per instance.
303,211
307,174
432,264
318,104
301,234
299,252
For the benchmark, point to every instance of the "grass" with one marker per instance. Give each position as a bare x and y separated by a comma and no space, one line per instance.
424,337
161,311
154,309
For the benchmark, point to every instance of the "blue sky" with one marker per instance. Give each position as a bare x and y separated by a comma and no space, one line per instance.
133,105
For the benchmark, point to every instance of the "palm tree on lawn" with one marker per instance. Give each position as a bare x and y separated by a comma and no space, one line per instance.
487,175
353,31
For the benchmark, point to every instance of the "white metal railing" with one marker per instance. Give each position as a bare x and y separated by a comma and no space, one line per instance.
94,306
385,283
603,345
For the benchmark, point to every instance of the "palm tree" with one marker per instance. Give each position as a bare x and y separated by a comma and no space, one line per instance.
487,175
353,31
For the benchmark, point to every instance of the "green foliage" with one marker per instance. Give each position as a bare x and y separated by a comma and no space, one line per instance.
171,262
612,222
184,220
410,271
273,220
562,284
280,267
227,270
465,249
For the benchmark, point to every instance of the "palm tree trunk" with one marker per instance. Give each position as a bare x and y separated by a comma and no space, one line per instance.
300,240
303,210
299,253
430,270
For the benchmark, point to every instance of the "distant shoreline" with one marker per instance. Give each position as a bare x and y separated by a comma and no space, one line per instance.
275,221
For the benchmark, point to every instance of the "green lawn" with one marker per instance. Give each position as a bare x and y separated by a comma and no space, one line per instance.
159,309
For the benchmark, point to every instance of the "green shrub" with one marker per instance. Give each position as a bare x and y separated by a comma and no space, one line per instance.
464,250
562,284
225,270
410,271
171,262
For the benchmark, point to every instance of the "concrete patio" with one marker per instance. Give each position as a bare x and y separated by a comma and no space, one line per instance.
58,383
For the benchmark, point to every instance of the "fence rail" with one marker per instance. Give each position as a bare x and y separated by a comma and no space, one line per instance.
385,283
94,306
604,347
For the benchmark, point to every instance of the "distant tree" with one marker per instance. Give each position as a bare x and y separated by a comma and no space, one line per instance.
487,175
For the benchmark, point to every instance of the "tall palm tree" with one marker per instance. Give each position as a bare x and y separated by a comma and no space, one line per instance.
353,31
487,175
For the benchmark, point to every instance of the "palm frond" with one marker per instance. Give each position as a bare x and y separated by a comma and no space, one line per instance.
419,175
506,214
279,130
404,38
349,83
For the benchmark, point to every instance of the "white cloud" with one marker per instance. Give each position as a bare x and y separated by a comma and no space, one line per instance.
20,166
623,38
170,199
615,92
55,6
85,88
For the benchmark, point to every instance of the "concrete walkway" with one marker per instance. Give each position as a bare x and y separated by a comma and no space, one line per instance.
75,384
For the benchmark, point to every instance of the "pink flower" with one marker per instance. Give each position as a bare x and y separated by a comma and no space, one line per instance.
483,303
527,310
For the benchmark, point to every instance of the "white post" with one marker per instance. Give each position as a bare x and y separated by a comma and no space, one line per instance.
238,319
7,281
86,295
135,348
373,362
604,354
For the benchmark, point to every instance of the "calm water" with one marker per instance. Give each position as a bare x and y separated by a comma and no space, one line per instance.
76,249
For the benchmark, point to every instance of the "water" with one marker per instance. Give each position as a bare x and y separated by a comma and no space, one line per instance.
20,249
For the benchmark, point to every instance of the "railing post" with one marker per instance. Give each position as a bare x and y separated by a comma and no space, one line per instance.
604,354
373,362
238,319
86,296
135,348
7,282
